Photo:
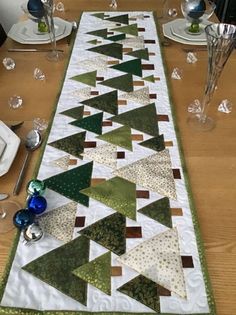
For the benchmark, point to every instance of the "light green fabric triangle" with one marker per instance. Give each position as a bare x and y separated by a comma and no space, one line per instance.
150,78
93,41
117,193
112,50
75,112
143,119
131,66
124,19
120,136
92,123
129,29
123,83
88,78
141,53
97,272
100,33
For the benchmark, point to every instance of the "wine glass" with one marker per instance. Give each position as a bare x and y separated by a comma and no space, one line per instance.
8,209
196,12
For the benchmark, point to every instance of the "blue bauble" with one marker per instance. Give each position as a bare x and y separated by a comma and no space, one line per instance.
35,8
197,10
37,204
23,218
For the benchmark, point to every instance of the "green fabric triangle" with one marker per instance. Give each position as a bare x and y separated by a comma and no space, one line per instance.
120,136
159,211
141,53
88,78
156,143
116,193
93,41
97,272
75,112
55,268
117,37
132,66
129,29
150,78
92,123
108,232
100,33
99,15
112,50
144,291
70,183
73,144
107,102
123,83
143,119
124,19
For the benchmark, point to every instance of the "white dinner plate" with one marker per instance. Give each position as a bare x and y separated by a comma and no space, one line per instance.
12,145
26,32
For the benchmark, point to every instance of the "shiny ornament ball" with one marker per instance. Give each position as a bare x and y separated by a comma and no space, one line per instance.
33,233
37,204
23,218
36,186
196,9
35,8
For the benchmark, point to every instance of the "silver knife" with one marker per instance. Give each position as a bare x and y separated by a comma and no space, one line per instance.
32,50
3,196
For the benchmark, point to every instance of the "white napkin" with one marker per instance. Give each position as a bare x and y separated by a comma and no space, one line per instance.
2,146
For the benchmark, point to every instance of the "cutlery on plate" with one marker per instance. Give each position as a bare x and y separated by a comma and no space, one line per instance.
32,50
3,196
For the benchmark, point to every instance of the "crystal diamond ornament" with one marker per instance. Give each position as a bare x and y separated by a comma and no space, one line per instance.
60,7
225,107
191,57
15,101
177,74
194,107
9,63
38,74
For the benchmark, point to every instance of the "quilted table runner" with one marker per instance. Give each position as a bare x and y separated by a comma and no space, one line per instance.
121,235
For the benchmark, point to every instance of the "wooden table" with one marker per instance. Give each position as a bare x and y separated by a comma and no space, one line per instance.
210,156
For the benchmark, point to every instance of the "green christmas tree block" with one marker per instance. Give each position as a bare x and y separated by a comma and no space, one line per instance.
123,83
97,272
88,78
112,50
70,183
115,38
150,78
75,112
129,29
120,136
100,33
159,211
73,144
156,143
143,119
132,66
117,193
93,42
92,123
55,268
123,19
108,232
107,102
141,53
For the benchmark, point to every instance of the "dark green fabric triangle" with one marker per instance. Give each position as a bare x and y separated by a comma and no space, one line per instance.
141,53
129,29
123,83
92,123
116,193
70,183
73,144
55,268
76,112
144,291
117,37
107,102
124,19
93,41
120,136
156,143
159,211
132,66
97,272
99,15
88,78
112,50
100,33
150,78
143,119
108,232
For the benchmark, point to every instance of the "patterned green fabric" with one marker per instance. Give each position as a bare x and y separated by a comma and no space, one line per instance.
132,66
143,119
106,102
112,50
124,19
93,41
97,272
70,183
150,78
123,83
88,78
141,53
55,268
144,291
117,37
120,136
117,193
159,210
73,144
75,112
92,123
99,33
109,232
129,29
156,143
